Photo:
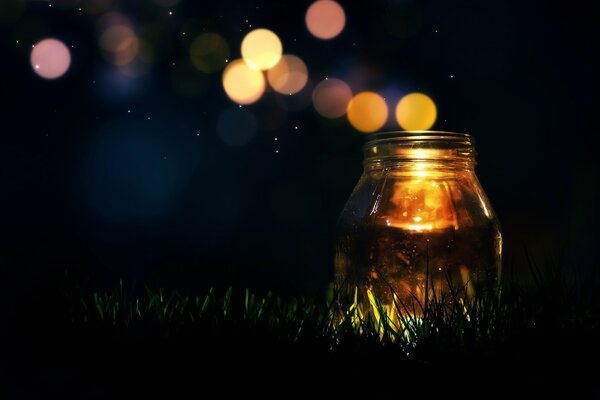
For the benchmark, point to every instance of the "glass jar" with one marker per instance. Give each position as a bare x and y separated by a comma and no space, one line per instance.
417,221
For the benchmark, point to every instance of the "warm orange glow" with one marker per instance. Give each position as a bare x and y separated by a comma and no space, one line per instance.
423,201
367,112
422,205
289,75
50,58
120,44
242,84
261,49
416,111
209,52
331,97
325,19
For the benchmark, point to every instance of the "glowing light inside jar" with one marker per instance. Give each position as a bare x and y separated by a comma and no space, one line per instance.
422,202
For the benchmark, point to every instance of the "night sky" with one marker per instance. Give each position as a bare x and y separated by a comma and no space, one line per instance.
109,172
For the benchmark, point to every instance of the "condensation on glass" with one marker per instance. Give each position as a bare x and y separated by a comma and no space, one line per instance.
418,220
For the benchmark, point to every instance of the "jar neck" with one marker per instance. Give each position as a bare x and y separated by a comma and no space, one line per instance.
419,153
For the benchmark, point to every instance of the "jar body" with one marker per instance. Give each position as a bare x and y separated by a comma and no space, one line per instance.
417,226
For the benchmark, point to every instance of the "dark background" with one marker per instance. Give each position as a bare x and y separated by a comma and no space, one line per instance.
92,191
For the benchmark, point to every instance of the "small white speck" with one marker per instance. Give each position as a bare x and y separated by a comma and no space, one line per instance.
128,111
276,151
197,134
148,118
296,127
436,31
173,64
239,106
275,139
72,46
80,9
170,12
32,46
37,66
50,5
451,76
326,78
183,33
227,60
17,42
94,82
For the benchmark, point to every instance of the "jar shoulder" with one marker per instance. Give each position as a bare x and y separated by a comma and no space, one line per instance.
418,202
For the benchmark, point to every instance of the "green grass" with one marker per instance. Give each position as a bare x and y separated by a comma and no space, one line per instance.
555,302
537,336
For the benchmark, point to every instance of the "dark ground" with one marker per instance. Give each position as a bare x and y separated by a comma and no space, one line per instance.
51,355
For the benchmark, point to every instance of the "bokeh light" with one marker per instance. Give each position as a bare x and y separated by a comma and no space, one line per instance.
242,84
209,52
261,49
289,75
367,112
416,111
325,19
331,97
236,126
119,43
50,58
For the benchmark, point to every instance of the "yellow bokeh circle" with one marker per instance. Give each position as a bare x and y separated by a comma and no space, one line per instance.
416,111
261,49
367,112
242,84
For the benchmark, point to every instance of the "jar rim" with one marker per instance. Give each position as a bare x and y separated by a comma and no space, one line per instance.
418,135
419,145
